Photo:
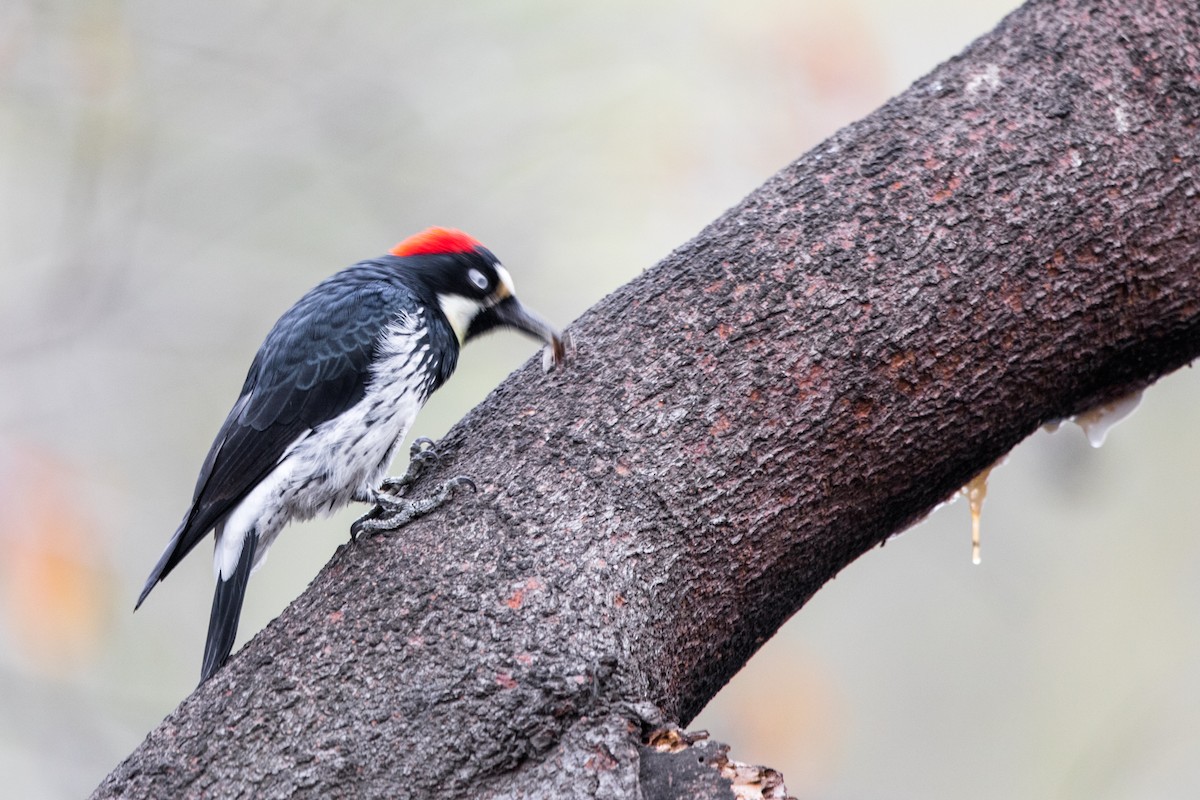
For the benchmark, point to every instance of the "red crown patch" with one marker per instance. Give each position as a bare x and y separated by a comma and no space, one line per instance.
435,241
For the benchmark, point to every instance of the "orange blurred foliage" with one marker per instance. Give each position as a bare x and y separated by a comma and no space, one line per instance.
52,593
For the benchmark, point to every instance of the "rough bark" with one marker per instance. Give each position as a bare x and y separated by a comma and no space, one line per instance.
1012,240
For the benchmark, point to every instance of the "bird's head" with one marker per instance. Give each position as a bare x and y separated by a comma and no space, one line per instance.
471,287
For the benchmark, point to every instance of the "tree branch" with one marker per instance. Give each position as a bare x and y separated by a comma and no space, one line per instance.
1011,241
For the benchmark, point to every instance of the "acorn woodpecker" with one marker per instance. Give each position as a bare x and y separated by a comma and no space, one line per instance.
330,395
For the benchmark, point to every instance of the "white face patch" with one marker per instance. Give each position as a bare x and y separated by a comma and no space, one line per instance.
459,312
505,279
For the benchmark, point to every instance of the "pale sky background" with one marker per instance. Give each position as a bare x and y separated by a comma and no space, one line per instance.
176,174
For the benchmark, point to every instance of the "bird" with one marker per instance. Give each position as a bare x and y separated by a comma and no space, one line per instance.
327,401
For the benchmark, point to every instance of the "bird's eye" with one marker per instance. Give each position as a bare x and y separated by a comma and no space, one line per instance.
478,278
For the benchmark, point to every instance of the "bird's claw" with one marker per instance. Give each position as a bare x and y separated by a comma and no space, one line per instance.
460,481
421,456
423,449
391,513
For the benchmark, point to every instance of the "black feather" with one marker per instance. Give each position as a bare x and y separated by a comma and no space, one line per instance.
227,609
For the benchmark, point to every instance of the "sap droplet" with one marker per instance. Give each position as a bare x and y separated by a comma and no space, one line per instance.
1098,421
975,491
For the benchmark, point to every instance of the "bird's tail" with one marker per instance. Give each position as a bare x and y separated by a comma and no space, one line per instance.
227,609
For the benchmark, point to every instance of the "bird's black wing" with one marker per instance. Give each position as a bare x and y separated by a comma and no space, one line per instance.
314,364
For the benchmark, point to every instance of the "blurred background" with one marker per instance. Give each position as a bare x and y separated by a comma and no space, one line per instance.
174,175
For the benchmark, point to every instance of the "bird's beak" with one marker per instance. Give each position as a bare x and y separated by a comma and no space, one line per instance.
509,313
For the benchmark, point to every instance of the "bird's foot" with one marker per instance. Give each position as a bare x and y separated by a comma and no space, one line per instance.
393,512
421,456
